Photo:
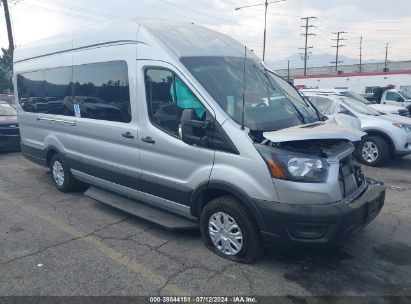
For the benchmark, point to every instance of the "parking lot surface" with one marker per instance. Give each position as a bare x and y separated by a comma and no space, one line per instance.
53,243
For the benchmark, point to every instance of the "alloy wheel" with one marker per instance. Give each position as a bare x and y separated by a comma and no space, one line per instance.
370,152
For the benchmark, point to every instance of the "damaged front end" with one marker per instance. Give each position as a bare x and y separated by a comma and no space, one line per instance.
320,169
323,194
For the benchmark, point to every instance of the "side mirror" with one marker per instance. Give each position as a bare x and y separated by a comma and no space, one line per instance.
324,117
193,132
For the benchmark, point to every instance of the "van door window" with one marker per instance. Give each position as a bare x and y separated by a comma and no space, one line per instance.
102,91
167,97
59,91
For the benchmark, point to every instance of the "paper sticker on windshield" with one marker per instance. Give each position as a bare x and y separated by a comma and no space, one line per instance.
230,105
77,110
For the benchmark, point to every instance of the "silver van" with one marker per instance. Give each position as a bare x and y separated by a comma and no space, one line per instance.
182,126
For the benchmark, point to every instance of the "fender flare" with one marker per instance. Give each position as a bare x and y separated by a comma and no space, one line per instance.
384,135
196,202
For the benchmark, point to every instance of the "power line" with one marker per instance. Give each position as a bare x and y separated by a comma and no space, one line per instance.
79,9
306,34
49,10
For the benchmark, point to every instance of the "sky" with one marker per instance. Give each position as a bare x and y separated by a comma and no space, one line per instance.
377,21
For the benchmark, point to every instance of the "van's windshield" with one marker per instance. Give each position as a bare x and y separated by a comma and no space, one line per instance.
270,102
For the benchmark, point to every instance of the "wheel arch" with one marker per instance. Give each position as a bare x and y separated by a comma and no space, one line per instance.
385,136
206,192
49,153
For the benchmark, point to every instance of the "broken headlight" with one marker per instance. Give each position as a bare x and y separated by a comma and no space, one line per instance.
287,165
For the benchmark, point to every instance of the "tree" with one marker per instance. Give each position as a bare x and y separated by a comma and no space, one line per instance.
6,71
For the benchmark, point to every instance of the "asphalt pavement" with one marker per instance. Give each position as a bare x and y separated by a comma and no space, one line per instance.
59,244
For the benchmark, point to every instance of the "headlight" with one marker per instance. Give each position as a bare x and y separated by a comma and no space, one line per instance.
294,166
402,126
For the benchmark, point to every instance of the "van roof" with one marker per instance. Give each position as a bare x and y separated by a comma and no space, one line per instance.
185,39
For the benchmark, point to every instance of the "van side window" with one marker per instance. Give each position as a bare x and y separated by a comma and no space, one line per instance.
167,97
31,91
59,91
102,91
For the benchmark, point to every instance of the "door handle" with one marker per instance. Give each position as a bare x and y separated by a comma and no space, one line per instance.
127,135
148,140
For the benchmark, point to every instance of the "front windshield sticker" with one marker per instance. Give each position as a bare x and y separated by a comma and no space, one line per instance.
230,105
77,110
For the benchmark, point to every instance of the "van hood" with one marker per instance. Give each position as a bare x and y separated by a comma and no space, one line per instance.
318,130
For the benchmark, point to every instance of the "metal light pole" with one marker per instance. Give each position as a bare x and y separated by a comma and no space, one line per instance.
265,18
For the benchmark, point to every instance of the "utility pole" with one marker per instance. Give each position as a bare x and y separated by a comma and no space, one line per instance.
8,24
265,17
339,39
361,54
307,27
386,57
288,70
265,27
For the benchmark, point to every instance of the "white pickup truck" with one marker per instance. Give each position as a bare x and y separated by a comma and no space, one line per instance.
396,97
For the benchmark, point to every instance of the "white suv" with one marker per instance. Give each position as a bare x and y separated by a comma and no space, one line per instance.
387,135
385,108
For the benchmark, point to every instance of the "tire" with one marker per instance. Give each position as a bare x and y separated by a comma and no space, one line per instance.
61,175
373,151
250,248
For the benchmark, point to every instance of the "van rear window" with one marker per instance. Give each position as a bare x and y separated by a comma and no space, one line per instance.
101,90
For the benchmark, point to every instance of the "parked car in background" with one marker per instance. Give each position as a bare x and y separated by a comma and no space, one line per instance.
387,135
383,108
9,98
9,128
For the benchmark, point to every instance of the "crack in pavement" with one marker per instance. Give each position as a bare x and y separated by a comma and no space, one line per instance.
59,244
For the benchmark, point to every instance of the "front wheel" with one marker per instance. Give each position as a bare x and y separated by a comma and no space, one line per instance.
373,151
229,230
62,177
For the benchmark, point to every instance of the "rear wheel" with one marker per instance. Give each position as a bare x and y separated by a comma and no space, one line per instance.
373,151
62,177
229,230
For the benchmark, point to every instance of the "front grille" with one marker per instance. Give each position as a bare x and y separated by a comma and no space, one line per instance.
9,131
350,176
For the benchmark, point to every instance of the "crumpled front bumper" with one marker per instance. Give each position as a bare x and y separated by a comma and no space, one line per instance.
325,223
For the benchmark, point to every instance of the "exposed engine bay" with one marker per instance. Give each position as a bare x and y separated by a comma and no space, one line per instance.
326,148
